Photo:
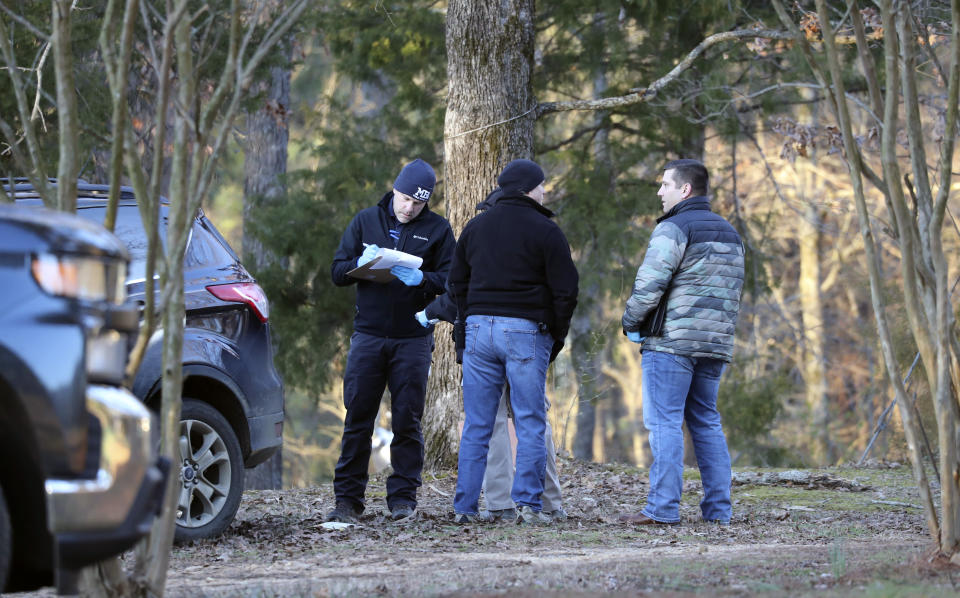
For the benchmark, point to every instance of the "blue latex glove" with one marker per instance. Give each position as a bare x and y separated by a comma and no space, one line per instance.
635,337
408,276
422,318
368,254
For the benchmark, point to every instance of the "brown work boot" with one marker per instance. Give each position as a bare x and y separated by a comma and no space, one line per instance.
640,519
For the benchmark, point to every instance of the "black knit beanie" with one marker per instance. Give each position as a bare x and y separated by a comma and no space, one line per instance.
520,177
416,180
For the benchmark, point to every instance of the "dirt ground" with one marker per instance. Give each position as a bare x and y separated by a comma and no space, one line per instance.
835,532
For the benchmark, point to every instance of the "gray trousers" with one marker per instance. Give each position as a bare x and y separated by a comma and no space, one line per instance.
498,478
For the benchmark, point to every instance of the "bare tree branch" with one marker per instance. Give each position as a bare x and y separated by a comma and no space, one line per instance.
117,67
924,41
866,58
645,94
36,171
949,134
907,411
68,118
26,24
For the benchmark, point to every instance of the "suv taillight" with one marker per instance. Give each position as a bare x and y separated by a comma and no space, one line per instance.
244,292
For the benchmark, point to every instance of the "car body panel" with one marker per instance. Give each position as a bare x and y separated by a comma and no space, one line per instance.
227,349
47,434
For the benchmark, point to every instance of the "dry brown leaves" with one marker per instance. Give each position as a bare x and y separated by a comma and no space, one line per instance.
277,540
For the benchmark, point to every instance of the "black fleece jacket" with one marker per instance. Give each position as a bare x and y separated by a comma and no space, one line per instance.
513,261
388,309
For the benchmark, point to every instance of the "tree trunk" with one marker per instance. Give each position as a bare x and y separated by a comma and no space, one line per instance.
811,305
586,423
584,358
907,411
152,572
489,121
69,161
933,339
812,360
587,353
265,160
264,164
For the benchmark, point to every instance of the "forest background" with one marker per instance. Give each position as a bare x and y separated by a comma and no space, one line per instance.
360,89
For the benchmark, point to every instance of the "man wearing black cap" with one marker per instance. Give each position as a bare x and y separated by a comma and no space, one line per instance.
498,477
513,278
388,347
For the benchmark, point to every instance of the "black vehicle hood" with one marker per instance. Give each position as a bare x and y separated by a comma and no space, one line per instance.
61,232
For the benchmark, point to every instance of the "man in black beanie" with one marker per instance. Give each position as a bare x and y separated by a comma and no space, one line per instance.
388,347
513,278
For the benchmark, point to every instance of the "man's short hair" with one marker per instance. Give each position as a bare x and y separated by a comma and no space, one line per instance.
690,171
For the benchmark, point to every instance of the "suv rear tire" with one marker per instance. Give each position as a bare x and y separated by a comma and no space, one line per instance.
210,472
6,534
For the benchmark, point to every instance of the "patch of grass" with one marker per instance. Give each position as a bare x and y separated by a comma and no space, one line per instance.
624,468
838,557
901,590
823,500
763,586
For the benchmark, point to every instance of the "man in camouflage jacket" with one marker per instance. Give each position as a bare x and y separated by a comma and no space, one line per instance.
696,258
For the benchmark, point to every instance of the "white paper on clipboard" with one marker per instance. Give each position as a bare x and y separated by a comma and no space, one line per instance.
378,269
391,257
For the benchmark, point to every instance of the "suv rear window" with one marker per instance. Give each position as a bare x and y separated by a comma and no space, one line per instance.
130,230
205,249
205,246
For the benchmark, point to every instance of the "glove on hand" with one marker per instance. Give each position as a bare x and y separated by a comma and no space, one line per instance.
422,318
635,337
368,254
408,276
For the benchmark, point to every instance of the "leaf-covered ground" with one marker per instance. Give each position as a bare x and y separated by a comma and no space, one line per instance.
833,532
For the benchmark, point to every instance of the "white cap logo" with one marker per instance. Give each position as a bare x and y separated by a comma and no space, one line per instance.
421,194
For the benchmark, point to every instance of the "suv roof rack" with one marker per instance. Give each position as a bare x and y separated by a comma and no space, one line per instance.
104,190
22,187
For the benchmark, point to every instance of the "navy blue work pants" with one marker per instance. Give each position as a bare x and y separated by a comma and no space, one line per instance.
373,363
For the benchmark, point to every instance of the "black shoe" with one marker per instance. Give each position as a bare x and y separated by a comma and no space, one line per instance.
403,512
344,512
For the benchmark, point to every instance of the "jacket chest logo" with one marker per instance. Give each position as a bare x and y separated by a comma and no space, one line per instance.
421,238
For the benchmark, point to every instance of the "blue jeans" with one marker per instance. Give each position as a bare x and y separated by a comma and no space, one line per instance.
514,349
498,479
677,388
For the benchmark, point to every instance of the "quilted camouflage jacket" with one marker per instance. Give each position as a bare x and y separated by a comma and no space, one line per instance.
698,256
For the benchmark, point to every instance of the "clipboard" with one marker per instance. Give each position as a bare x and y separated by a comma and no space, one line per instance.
367,272
652,324
378,269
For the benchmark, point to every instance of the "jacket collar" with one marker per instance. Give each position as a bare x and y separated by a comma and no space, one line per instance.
386,205
697,202
525,201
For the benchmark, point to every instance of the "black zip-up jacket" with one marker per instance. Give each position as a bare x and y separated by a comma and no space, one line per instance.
388,309
443,307
513,261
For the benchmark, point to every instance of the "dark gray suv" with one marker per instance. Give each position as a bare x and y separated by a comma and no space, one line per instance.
232,415
79,477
